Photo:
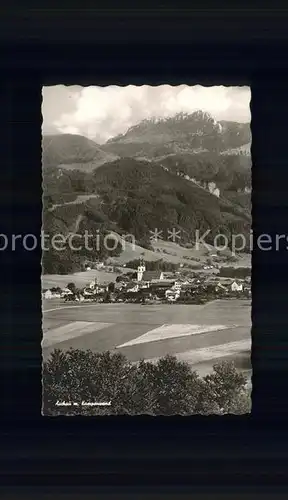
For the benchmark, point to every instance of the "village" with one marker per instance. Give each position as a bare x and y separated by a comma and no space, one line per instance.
147,287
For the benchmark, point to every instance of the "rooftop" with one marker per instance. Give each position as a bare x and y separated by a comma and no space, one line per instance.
163,283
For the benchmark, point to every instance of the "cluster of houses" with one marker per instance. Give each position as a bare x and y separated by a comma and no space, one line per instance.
71,293
157,285
174,285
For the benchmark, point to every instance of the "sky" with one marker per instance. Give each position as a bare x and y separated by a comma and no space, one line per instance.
101,113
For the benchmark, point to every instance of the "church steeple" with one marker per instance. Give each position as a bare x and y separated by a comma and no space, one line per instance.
141,269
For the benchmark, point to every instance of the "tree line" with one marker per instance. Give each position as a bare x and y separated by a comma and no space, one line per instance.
235,272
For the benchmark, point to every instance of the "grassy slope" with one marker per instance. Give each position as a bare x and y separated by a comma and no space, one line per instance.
80,279
73,152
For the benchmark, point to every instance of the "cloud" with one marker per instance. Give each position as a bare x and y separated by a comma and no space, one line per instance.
103,112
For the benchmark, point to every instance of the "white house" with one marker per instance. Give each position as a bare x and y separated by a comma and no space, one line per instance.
99,265
177,285
65,292
134,288
48,294
100,289
237,287
172,294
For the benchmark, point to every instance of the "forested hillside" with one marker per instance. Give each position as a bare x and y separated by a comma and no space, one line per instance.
194,145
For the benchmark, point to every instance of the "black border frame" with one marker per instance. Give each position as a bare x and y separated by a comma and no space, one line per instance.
227,454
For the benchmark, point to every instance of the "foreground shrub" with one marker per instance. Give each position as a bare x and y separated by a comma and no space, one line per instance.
224,391
167,387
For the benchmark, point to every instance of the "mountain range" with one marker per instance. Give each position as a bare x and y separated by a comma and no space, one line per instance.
185,132
187,172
